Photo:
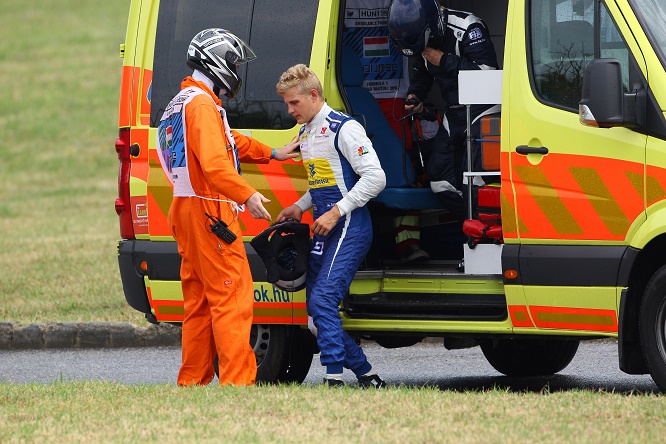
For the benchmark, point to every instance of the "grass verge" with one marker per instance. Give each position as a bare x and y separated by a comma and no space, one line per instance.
59,60
96,411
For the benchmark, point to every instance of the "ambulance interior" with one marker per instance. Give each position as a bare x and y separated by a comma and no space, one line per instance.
396,140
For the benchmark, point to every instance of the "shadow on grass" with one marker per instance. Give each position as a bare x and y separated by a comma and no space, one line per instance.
538,384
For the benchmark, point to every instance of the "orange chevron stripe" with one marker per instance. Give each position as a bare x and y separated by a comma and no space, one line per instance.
274,305
265,312
577,197
157,224
520,316
168,302
656,182
281,182
169,318
508,211
140,164
145,103
271,320
129,86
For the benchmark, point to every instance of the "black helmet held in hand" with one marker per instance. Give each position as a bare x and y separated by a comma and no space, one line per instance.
217,53
412,23
284,248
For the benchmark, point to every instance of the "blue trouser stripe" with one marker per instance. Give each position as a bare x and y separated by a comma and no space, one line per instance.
333,262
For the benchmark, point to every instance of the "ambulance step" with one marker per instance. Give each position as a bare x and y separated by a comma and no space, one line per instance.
427,306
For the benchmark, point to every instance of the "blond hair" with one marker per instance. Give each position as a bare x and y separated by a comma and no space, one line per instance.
301,77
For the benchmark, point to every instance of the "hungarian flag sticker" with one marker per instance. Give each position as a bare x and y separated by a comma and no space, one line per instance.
376,46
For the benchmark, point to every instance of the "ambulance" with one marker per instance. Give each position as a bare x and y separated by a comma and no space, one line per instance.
568,243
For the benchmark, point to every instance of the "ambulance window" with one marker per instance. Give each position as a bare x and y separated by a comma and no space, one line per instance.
612,45
261,23
562,43
652,15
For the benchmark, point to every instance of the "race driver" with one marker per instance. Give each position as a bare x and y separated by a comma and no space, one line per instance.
443,42
343,174
201,155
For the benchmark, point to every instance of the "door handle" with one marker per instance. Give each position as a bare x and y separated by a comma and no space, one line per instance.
524,150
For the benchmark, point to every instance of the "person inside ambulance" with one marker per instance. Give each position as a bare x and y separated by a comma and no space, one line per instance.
443,42
202,155
343,173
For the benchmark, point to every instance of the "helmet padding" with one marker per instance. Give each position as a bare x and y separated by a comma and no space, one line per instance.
284,248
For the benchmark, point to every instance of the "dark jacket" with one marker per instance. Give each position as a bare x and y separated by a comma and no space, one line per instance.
467,46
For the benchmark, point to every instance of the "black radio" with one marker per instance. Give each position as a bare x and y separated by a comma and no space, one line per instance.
221,230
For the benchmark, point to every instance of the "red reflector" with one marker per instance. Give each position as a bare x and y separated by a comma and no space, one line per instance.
120,206
123,208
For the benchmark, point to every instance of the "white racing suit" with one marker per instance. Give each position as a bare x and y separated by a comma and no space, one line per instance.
343,169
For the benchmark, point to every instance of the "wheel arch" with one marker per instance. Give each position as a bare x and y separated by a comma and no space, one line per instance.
641,266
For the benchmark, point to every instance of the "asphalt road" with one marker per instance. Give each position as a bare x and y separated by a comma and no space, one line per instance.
595,367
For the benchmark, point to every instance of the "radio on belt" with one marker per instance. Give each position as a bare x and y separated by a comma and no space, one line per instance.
219,228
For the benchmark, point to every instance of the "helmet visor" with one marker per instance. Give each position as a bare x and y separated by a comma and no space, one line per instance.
242,53
412,45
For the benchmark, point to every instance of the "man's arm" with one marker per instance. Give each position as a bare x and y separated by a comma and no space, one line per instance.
476,52
207,142
252,151
355,145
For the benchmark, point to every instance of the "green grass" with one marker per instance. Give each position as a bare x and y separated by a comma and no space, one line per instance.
60,64
105,412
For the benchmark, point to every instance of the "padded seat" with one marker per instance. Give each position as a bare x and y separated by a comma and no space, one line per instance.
392,155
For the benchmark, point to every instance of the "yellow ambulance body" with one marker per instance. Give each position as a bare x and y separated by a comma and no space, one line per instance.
583,208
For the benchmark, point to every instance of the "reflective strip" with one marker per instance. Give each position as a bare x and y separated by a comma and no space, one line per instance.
520,316
406,228
286,313
548,201
167,310
581,197
146,82
281,182
567,318
129,89
602,200
655,189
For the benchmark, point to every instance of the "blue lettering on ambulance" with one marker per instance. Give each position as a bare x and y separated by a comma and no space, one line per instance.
262,295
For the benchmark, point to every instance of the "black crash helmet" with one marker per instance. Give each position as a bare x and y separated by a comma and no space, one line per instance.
412,23
284,248
217,53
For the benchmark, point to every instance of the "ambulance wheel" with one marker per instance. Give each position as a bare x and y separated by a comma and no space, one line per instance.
529,357
303,346
280,358
652,327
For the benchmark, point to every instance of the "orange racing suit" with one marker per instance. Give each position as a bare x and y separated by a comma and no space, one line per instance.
216,279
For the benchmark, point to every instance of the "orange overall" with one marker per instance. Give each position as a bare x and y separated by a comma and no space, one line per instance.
216,279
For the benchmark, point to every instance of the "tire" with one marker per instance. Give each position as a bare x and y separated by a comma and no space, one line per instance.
652,327
529,357
303,345
283,353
